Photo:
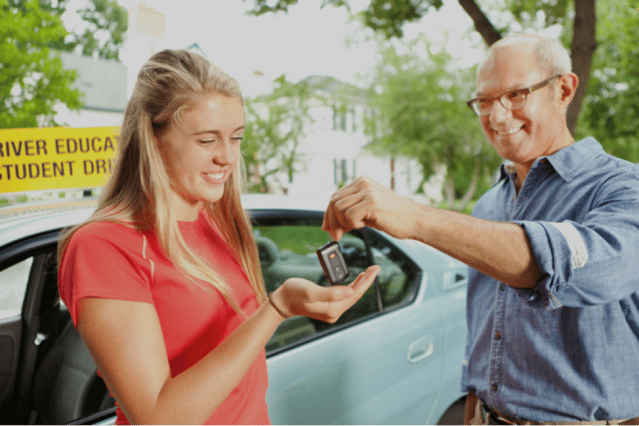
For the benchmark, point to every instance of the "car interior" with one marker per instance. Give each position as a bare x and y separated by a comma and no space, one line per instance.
51,377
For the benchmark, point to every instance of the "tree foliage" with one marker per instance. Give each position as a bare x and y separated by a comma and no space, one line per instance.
611,111
32,78
99,33
262,7
421,112
386,16
32,81
526,12
389,16
273,135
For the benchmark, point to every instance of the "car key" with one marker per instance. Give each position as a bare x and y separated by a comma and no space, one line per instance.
333,263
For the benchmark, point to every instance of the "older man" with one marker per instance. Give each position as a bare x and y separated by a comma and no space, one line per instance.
553,294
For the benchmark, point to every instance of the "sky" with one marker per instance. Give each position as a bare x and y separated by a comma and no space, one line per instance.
307,40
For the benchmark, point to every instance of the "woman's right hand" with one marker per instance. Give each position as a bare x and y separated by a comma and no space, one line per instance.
297,296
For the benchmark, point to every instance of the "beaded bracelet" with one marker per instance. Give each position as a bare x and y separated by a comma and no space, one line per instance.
279,311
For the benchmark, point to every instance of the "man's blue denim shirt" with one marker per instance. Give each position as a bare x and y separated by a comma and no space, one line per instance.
568,349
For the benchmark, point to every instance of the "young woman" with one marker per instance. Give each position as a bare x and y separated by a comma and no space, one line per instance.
163,282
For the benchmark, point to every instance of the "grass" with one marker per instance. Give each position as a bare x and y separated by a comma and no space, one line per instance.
467,209
35,196
298,239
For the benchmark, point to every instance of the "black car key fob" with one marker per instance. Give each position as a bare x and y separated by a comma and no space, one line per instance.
333,263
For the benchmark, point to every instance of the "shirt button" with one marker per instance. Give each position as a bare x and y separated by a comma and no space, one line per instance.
494,387
502,287
497,336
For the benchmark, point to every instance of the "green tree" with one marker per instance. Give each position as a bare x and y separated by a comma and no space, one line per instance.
389,17
99,33
611,111
420,112
274,132
32,80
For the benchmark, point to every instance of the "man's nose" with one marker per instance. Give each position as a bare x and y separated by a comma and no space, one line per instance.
499,112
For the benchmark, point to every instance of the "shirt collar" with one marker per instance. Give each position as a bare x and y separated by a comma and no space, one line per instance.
567,162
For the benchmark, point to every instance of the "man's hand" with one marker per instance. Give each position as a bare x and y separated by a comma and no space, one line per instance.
365,202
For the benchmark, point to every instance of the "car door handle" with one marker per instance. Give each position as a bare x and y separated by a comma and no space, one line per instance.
420,349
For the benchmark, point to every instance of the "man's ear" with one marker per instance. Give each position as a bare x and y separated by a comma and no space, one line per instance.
566,87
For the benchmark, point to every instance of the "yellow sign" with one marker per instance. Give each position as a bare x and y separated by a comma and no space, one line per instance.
56,157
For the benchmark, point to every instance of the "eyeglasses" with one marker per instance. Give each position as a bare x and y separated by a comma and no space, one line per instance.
512,100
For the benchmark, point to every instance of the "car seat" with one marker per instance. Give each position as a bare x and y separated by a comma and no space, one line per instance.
66,386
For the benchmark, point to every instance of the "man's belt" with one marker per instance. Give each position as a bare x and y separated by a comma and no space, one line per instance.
493,417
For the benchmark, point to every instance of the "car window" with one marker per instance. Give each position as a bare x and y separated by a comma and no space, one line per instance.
399,275
289,250
13,285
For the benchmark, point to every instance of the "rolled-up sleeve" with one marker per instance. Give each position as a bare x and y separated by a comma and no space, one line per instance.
593,259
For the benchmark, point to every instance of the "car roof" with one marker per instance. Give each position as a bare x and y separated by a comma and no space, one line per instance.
282,202
20,221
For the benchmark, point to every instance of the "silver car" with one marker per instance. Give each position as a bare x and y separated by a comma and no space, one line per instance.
393,358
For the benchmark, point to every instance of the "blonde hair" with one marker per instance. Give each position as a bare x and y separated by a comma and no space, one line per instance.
138,189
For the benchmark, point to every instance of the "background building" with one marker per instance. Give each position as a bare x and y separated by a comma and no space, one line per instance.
103,84
333,149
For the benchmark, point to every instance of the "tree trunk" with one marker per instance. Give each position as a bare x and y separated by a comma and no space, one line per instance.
471,190
482,24
584,44
392,172
449,192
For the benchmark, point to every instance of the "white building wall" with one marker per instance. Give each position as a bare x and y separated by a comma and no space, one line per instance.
103,85
145,37
87,118
327,150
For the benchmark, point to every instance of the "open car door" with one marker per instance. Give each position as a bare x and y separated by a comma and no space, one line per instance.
47,375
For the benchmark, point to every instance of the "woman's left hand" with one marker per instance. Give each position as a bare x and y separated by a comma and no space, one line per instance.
297,296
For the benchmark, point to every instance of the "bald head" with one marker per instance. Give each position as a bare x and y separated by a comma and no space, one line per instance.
549,54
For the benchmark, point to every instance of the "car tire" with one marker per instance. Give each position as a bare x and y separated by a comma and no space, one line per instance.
454,415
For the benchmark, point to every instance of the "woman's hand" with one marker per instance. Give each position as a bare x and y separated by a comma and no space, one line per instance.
297,296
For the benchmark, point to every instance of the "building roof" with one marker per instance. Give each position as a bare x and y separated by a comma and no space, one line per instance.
335,86
195,48
102,81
